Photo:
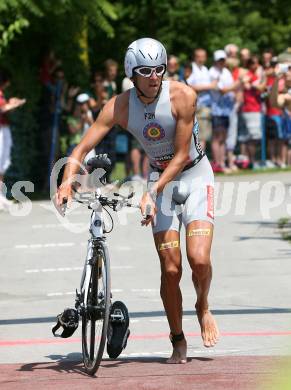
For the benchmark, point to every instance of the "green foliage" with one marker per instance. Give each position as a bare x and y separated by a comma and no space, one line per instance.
28,29
183,25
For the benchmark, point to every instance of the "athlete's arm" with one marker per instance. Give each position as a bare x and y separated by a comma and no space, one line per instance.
94,136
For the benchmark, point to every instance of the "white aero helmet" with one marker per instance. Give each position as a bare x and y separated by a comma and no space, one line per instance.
144,52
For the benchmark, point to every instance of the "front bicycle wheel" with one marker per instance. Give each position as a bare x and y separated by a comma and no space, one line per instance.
96,314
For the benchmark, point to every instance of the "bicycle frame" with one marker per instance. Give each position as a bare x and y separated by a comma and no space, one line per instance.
97,238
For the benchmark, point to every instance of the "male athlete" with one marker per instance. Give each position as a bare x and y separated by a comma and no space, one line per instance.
161,115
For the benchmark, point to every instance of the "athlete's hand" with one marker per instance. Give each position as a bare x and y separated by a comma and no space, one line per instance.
148,209
64,195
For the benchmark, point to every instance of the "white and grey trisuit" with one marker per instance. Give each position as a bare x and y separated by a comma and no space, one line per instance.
190,196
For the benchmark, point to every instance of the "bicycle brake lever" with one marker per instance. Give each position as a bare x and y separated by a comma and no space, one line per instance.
64,206
124,197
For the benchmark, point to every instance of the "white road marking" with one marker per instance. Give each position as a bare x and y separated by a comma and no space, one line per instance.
121,267
165,319
56,225
65,244
121,248
68,269
60,294
193,351
54,294
48,245
154,290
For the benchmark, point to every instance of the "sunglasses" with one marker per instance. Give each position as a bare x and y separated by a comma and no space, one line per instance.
147,71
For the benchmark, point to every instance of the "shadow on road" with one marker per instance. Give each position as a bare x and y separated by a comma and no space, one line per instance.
71,363
151,314
108,363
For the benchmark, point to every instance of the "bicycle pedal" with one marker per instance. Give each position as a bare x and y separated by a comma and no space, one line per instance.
117,316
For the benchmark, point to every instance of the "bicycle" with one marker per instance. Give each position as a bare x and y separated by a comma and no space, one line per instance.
93,302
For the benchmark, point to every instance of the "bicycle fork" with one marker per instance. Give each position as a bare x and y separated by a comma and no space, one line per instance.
81,297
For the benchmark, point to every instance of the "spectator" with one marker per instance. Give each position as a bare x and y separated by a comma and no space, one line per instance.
73,136
282,99
200,81
245,55
172,69
111,69
48,66
232,63
222,106
232,60
276,144
231,50
267,57
5,133
98,95
187,70
85,115
108,144
253,86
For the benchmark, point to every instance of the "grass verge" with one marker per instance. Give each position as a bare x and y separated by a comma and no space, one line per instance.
284,224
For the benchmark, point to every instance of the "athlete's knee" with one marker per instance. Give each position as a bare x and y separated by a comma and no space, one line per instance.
171,268
171,272
200,264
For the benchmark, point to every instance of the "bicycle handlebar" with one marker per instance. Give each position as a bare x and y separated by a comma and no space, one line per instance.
89,198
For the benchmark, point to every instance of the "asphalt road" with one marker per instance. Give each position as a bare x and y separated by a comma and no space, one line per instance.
41,262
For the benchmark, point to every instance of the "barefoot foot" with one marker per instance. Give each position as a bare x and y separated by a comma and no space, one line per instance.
179,355
209,329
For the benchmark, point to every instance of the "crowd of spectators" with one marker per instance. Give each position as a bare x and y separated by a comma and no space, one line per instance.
234,109
240,124
243,111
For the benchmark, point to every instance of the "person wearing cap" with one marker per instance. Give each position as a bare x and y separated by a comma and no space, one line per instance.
161,115
86,118
223,99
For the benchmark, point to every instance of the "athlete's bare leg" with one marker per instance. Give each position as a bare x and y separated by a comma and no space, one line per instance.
199,239
135,157
168,247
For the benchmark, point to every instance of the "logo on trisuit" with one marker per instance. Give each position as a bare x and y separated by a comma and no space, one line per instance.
153,132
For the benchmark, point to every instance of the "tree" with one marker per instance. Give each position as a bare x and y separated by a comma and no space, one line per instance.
28,29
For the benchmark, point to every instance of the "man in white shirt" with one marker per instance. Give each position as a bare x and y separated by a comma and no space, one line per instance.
201,83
